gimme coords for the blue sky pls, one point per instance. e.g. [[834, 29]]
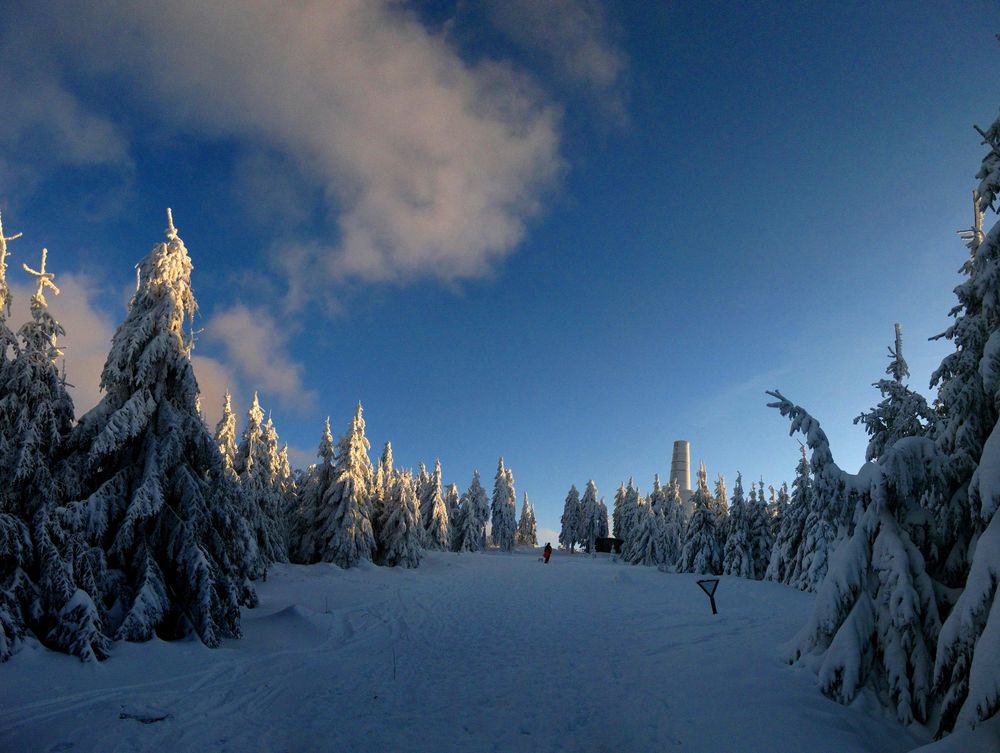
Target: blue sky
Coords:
[[566, 231]]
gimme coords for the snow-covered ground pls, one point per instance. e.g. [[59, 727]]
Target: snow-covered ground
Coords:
[[473, 652]]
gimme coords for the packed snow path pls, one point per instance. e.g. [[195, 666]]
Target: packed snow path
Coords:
[[471, 652]]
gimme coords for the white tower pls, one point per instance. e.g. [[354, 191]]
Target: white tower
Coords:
[[680, 468]]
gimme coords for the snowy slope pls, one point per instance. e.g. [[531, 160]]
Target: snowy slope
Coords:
[[471, 652]]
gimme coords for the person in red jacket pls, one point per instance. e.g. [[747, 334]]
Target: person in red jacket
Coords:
[[547, 552]]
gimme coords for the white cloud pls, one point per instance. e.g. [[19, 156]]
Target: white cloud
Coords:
[[430, 166], [45, 127], [299, 458], [548, 535], [254, 346], [575, 36], [214, 380]]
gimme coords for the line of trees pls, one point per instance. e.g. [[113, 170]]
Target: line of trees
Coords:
[[136, 521]]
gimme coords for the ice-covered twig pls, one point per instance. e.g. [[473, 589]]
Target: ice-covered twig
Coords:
[[44, 280]]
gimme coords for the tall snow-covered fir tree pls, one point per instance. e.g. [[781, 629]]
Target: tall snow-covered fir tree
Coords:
[[502, 509], [475, 514], [150, 489], [451, 500], [225, 435], [737, 556], [383, 480], [616, 512], [784, 561], [256, 465], [967, 663], [760, 532], [527, 528], [434, 512], [570, 520], [646, 540], [38, 580], [344, 532], [603, 529], [16, 553], [421, 485], [589, 525], [777, 501], [701, 552], [875, 620], [721, 507], [8, 342], [39, 410], [719, 497], [901, 413], [824, 528], [315, 487], [672, 530], [657, 500], [630, 516], [400, 530]]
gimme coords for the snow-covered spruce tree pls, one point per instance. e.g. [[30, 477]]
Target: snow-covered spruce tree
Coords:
[[616, 513], [37, 579], [589, 525], [603, 529], [400, 530], [284, 479], [475, 513], [777, 501], [645, 547], [344, 533], [570, 520], [16, 589], [658, 501], [630, 518], [256, 466], [700, 552], [737, 556], [434, 512], [673, 523], [875, 620], [760, 532], [502, 509], [421, 485], [382, 482], [38, 408], [720, 503], [656, 497], [901, 413], [967, 666], [150, 490], [785, 559], [225, 435], [286, 486], [317, 484], [451, 499], [527, 528], [904, 413], [824, 527], [8, 342]]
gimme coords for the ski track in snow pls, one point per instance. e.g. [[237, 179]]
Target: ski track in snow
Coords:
[[492, 653]]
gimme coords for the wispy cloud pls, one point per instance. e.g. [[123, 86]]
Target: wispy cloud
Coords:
[[45, 127], [429, 167], [575, 36], [254, 347]]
